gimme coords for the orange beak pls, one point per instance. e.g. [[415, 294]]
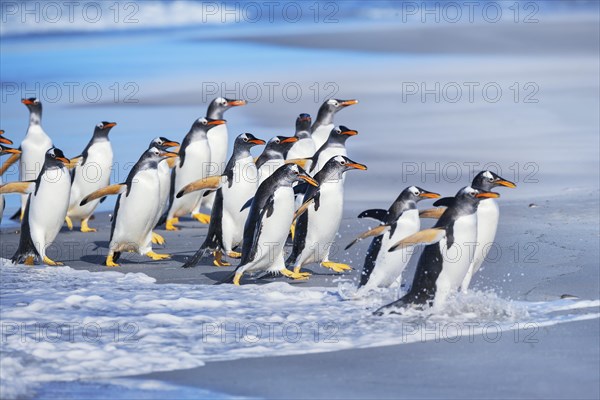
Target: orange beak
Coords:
[[217, 122], [349, 102], [110, 125], [349, 133], [236, 103], [430, 195], [26, 102], [171, 144], [508, 184], [487, 195], [308, 180], [11, 150], [169, 154], [358, 166], [257, 141], [290, 140], [65, 160], [4, 140]]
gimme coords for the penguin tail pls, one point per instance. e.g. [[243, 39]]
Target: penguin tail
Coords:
[[395, 307], [228, 279], [25, 250], [16, 215], [195, 259]]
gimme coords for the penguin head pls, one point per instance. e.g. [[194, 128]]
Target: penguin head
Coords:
[[303, 123], [247, 141], [206, 124], [293, 173], [344, 164], [8, 150], [280, 144], [55, 157], [487, 180], [417, 194], [332, 106], [340, 134], [218, 106], [4, 140], [162, 143], [471, 195], [155, 153], [103, 128], [33, 104]]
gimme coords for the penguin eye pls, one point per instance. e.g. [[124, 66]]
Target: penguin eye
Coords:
[[204, 122], [491, 179], [277, 141], [245, 139], [343, 162]]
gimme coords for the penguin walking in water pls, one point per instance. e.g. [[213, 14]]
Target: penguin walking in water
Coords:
[[324, 122], [488, 214], [318, 224], [449, 252], [305, 146], [334, 146], [136, 208], [194, 164], [5, 150], [33, 149], [91, 172], [236, 186], [272, 156], [218, 141], [45, 209], [381, 267], [268, 224]]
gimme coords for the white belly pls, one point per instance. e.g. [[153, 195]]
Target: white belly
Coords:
[[390, 266], [136, 214], [321, 134], [196, 166], [245, 183], [323, 224], [457, 259], [303, 148], [48, 207], [33, 147], [93, 175], [274, 231], [267, 169], [327, 154], [217, 141]]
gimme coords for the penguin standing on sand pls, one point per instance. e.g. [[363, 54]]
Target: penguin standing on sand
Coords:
[[5, 150], [236, 186], [91, 172], [324, 122], [449, 252], [45, 209], [334, 146], [268, 224], [194, 163], [218, 140], [272, 156], [318, 225], [136, 208], [305, 146], [381, 267], [488, 214], [33, 148]]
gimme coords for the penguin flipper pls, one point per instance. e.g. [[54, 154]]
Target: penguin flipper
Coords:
[[300, 189], [426, 236], [18, 187], [444, 202], [117, 188], [211, 182], [302, 209], [379, 230], [9, 161], [247, 204], [16, 215], [375, 213], [434, 213]]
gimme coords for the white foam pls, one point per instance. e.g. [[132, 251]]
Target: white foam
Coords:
[[126, 324]]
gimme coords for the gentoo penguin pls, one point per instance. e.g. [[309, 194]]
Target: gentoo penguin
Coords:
[[237, 185], [317, 226], [33, 147], [324, 122], [272, 156], [305, 146], [194, 163], [268, 224], [136, 208], [488, 214], [92, 172], [164, 177], [45, 209], [218, 140], [5, 150], [334, 146], [449, 252], [381, 267]]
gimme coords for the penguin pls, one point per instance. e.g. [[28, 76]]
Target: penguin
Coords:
[[45, 209], [33, 148], [194, 163], [5, 150], [268, 224], [164, 177], [382, 268], [318, 225], [218, 141], [92, 172], [449, 252], [236, 186], [137, 205], [334, 146], [272, 156], [305, 146], [324, 123], [488, 214]]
